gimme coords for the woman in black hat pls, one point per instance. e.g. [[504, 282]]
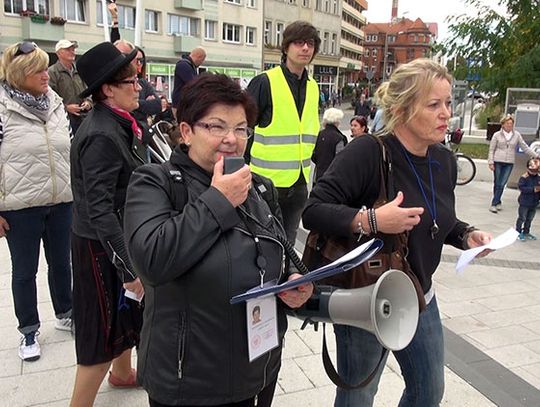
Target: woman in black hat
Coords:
[[105, 151]]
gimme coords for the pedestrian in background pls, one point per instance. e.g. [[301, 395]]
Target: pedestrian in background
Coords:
[[330, 141], [362, 107], [35, 189], [416, 101], [186, 70], [64, 79], [105, 151], [286, 132], [359, 126], [529, 196], [501, 158]]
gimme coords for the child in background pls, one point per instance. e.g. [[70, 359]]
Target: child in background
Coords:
[[529, 187]]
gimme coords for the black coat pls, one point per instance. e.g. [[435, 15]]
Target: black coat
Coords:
[[193, 252], [103, 155], [330, 141]]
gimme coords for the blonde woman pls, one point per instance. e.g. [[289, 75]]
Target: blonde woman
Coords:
[[501, 158], [416, 103], [35, 204]]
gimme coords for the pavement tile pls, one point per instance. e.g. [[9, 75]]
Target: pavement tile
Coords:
[[11, 364], [292, 378], [462, 308], [533, 369], [527, 376], [497, 319], [514, 355], [505, 336], [513, 301], [313, 368], [322, 396], [295, 346], [533, 326], [465, 324], [53, 356]]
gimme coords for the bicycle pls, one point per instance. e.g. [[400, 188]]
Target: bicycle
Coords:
[[466, 168]]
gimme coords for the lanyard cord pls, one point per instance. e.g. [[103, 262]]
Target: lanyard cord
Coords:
[[433, 207]]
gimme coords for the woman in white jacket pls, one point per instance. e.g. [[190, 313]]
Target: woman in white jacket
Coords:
[[501, 158], [35, 193]]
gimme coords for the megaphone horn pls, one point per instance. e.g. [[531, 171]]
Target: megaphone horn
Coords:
[[388, 308]]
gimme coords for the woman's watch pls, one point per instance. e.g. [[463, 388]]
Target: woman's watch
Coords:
[[464, 237]]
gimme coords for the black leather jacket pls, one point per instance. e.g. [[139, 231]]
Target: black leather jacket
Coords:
[[103, 155], [193, 348]]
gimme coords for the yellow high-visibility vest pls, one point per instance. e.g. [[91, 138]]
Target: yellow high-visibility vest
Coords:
[[283, 148]]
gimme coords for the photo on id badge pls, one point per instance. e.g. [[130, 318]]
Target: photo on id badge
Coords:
[[261, 318]]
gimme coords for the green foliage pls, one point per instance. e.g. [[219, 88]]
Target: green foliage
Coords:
[[506, 44], [492, 111], [474, 150]]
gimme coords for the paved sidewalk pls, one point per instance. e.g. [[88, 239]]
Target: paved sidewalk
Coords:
[[491, 314]]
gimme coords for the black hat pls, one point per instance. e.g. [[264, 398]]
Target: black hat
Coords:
[[99, 64]]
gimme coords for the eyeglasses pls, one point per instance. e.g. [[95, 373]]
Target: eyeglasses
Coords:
[[218, 130], [25, 48], [140, 61], [300, 43], [132, 82]]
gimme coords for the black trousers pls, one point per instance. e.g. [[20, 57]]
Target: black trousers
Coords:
[[263, 399]]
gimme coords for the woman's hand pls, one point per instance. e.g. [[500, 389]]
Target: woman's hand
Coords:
[[391, 217], [491, 167], [296, 297], [4, 227], [479, 238], [234, 186], [136, 287]]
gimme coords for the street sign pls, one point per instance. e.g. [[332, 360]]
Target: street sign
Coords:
[[369, 75], [460, 84]]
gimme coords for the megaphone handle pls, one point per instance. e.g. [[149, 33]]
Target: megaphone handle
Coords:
[[333, 374]]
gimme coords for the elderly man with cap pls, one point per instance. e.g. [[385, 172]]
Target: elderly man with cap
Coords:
[[64, 79]]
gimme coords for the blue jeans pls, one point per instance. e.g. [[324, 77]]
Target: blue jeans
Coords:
[[525, 218], [292, 201], [27, 227], [422, 363], [501, 175]]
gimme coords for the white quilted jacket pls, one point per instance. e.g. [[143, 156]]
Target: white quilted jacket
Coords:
[[34, 156]]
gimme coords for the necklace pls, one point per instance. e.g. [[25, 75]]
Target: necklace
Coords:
[[434, 229]]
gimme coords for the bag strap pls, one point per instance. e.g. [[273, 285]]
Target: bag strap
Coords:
[[333, 374], [178, 191]]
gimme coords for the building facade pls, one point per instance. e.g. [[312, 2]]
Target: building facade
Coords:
[[229, 30], [352, 41], [387, 45]]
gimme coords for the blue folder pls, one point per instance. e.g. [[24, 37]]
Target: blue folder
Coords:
[[350, 260]]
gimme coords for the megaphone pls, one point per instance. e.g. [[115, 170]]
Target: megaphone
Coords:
[[388, 308]]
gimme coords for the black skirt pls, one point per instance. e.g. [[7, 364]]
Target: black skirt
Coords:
[[106, 322]]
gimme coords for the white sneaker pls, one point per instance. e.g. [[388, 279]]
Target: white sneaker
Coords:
[[29, 350], [499, 207], [64, 324], [493, 209]]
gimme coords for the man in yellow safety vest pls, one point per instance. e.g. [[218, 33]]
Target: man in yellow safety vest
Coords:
[[288, 122]]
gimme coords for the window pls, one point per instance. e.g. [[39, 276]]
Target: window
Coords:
[[325, 42], [267, 32], [16, 6], [305, 3], [333, 44], [318, 5], [126, 16], [366, 53], [335, 7], [231, 33], [279, 33], [210, 30], [151, 19], [391, 38], [73, 10], [182, 25], [250, 35], [365, 68], [232, 1], [374, 69], [374, 52], [326, 4], [252, 3]]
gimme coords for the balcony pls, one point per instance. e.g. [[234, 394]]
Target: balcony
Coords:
[[188, 4], [41, 31], [184, 44]]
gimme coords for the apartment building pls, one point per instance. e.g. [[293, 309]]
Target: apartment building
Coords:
[[231, 31], [352, 41], [325, 15]]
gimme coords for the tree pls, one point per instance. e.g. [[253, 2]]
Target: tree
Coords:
[[506, 45]]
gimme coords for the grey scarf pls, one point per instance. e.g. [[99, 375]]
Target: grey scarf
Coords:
[[38, 106]]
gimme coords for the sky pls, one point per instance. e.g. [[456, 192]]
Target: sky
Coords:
[[430, 11]]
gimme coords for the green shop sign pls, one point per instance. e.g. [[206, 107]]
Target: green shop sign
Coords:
[[249, 73], [160, 69], [216, 70]]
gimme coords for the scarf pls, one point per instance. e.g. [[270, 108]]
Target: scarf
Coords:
[[38, 106], [134, 125], [507, 135]]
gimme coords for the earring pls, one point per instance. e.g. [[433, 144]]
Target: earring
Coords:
[[188, 143]]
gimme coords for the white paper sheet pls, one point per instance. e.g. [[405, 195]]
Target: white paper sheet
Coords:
[[506, 239]]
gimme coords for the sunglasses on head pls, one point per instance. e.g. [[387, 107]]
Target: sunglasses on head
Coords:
[[24, 48]]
